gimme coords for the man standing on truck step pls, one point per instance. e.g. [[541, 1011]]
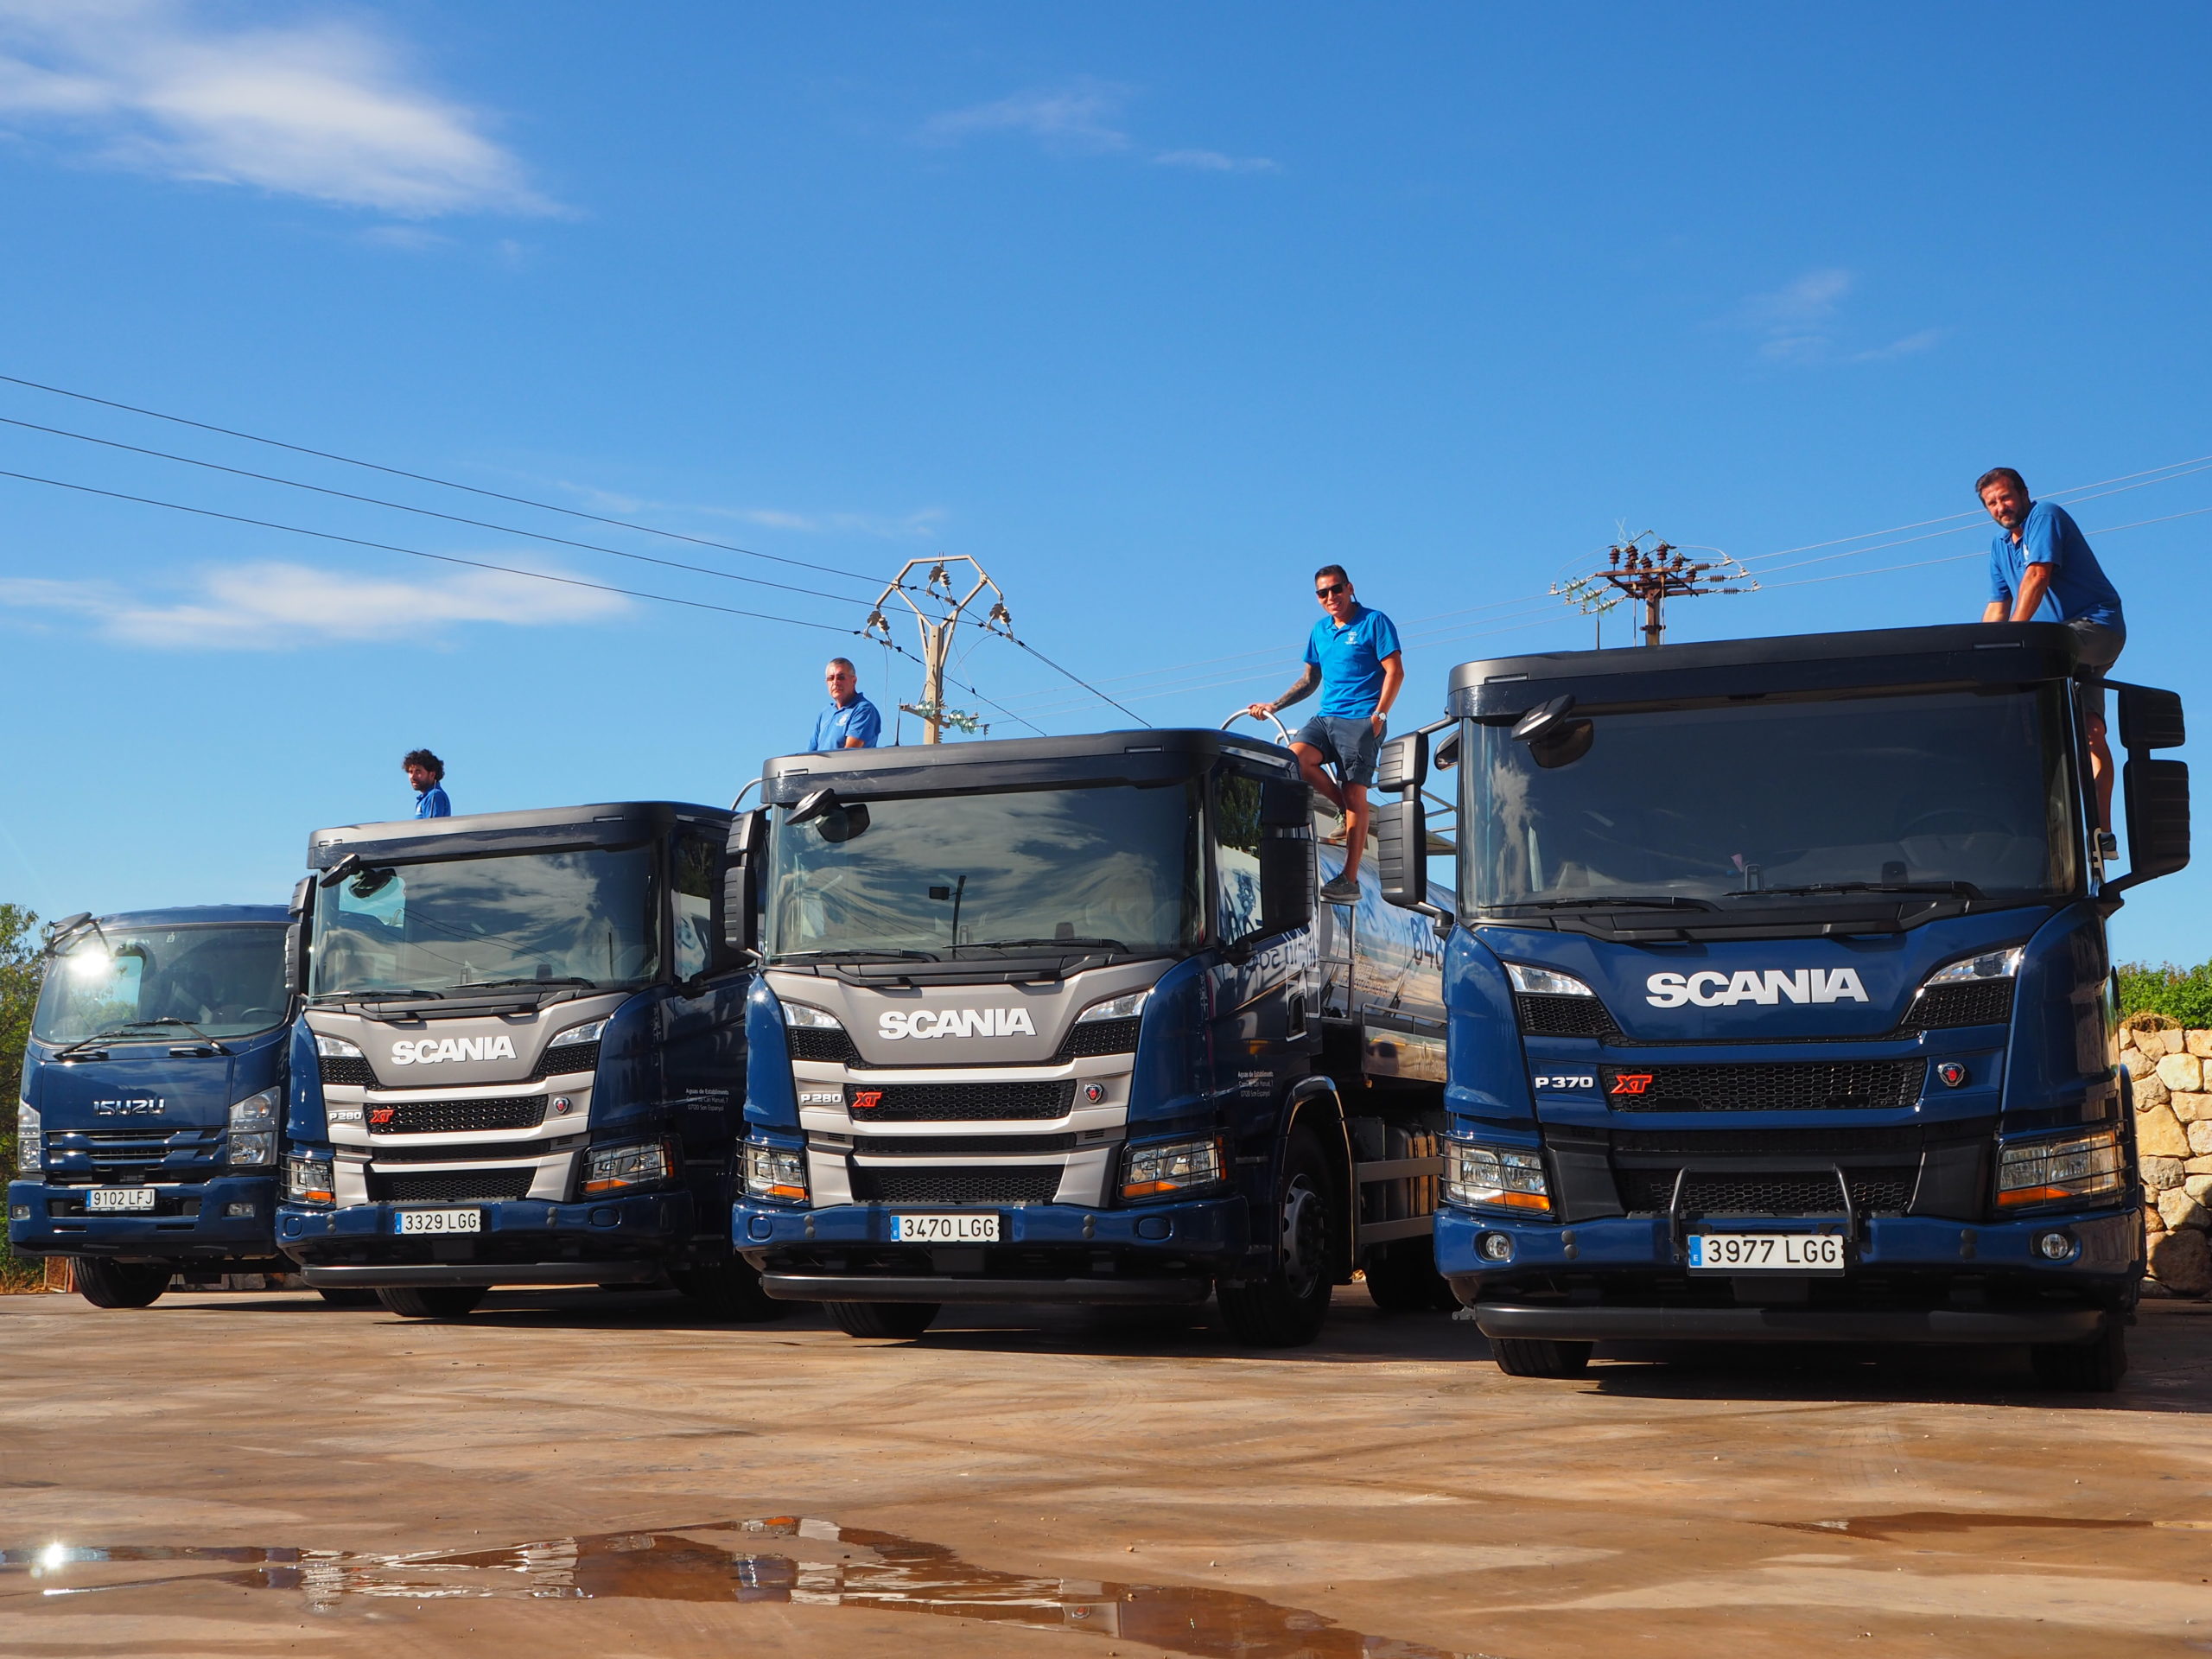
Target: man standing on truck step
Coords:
[[850, 722], [2041, 570], [428, 773], [1352, 655]]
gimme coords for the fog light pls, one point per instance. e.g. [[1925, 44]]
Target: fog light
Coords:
[[2054, 1247], [1495, 1247], [239, 1211], [19, 1212]]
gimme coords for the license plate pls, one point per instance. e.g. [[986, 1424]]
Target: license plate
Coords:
[[1766, 1253], [945, 1230], [119, 1197], [438, 1221]]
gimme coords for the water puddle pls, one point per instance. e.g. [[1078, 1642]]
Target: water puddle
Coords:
[[783, 1558], [1923, 1523]]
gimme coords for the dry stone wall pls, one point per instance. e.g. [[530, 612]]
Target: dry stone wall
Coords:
[[2171, 1070]]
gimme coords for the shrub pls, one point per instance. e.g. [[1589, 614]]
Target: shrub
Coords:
[[2182, 995]]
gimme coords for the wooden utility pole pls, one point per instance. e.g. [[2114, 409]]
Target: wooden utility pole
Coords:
[[1654, 574], [938, 612]]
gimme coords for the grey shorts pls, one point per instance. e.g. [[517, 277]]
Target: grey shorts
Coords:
[[1351, 745], [2099, 647]]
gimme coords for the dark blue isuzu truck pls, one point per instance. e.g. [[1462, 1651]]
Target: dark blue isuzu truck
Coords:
[[153, 1094], [520, 1059], [1056, 1020], [1780, 999]]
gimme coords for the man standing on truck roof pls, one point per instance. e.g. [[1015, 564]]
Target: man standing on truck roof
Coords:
[[428, 773], [850, 722], [2041, 570], [1352, 655]]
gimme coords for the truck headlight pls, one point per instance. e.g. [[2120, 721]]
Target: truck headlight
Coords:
[[1990, 965], [336, 1048], [1543, 982], [1495, 1177], [254, 1128], [31, 1141], [1126, 1007], [775, 1171], [590, 1032], [799, 1017], [1166, 1166], [2065, 1167], [307, 1179], [612, 1169]]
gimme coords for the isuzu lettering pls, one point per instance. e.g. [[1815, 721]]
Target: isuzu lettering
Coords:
[[1780, 998]]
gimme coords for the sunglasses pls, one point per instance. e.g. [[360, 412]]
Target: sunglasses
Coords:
[[1331, 591]]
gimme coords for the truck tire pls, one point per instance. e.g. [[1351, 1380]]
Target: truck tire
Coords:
[[1401, 1277], [1539, 1357], [1286, 1308], [120, 1284], [432, 1301], [731, 1290], [906, 1320], [2092, 1367], [347, 1297]]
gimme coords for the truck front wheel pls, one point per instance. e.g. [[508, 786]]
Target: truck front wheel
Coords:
[[120, 1284], [432, 1301], [1539, 1357], [906, 1320], [1286, 1309], [2092, 1367]]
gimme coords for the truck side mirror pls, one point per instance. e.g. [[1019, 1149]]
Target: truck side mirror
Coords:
[[739, 923], [1286, 880], [1401, 851], [296, 935], [2148, 718], [2156, 793], [1286, 804], [1403, 764]]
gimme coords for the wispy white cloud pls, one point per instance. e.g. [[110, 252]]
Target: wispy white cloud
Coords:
[[1212, 161], [1799, 324], [323, 109], [276, 607], [1077, 117]]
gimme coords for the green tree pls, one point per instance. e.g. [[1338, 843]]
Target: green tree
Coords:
[[19, 966]]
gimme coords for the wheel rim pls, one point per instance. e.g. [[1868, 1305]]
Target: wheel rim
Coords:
[[1304, 1237]]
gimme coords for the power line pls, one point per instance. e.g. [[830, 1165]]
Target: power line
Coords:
[[426, 478], [426, 512], [1080, 680], [418, 553]]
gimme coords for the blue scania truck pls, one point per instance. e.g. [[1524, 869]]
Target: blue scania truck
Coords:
[[153, 1093], [520, 1059], [1779, 1001], [1056, 1020]]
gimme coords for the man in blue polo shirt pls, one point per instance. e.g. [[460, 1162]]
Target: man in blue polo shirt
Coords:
[[2041, 570], [1352, 655], [428, 773], [850, 722]]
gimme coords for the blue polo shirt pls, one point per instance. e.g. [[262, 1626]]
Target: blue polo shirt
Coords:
[[1350, 661], [856, 719], [2079, 590], [432, 804]]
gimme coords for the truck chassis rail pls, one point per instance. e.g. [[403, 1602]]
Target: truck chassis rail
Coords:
[[341, 1276], [945, 1288], [1785, 1323]]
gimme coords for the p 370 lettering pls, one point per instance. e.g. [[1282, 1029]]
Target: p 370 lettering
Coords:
[[1566, 1080]]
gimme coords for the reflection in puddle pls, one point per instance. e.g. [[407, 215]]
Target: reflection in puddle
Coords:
[[1920, 1523], [782, 1560]]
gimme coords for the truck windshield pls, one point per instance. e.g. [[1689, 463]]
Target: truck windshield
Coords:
[[163, 984], [1946, 792], [1109, 866], [552, 919]]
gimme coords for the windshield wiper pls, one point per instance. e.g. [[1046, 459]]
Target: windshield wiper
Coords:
[[392, 994], [860, 953], [1082, 942], [172, 1020], [560, 979], [130, 1028], [1962, 889], [1630, 901]]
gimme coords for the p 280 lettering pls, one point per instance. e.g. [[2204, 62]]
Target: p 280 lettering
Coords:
[[1712, 989]]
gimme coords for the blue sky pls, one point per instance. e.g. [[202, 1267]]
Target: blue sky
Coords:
[[1148, 309]]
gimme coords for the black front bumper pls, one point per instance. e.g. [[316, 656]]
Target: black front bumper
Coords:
[[1921, 1325], [342, 1276], [1163, 1292]]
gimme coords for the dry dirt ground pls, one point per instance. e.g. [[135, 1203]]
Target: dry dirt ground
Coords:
[[598, 1474]]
